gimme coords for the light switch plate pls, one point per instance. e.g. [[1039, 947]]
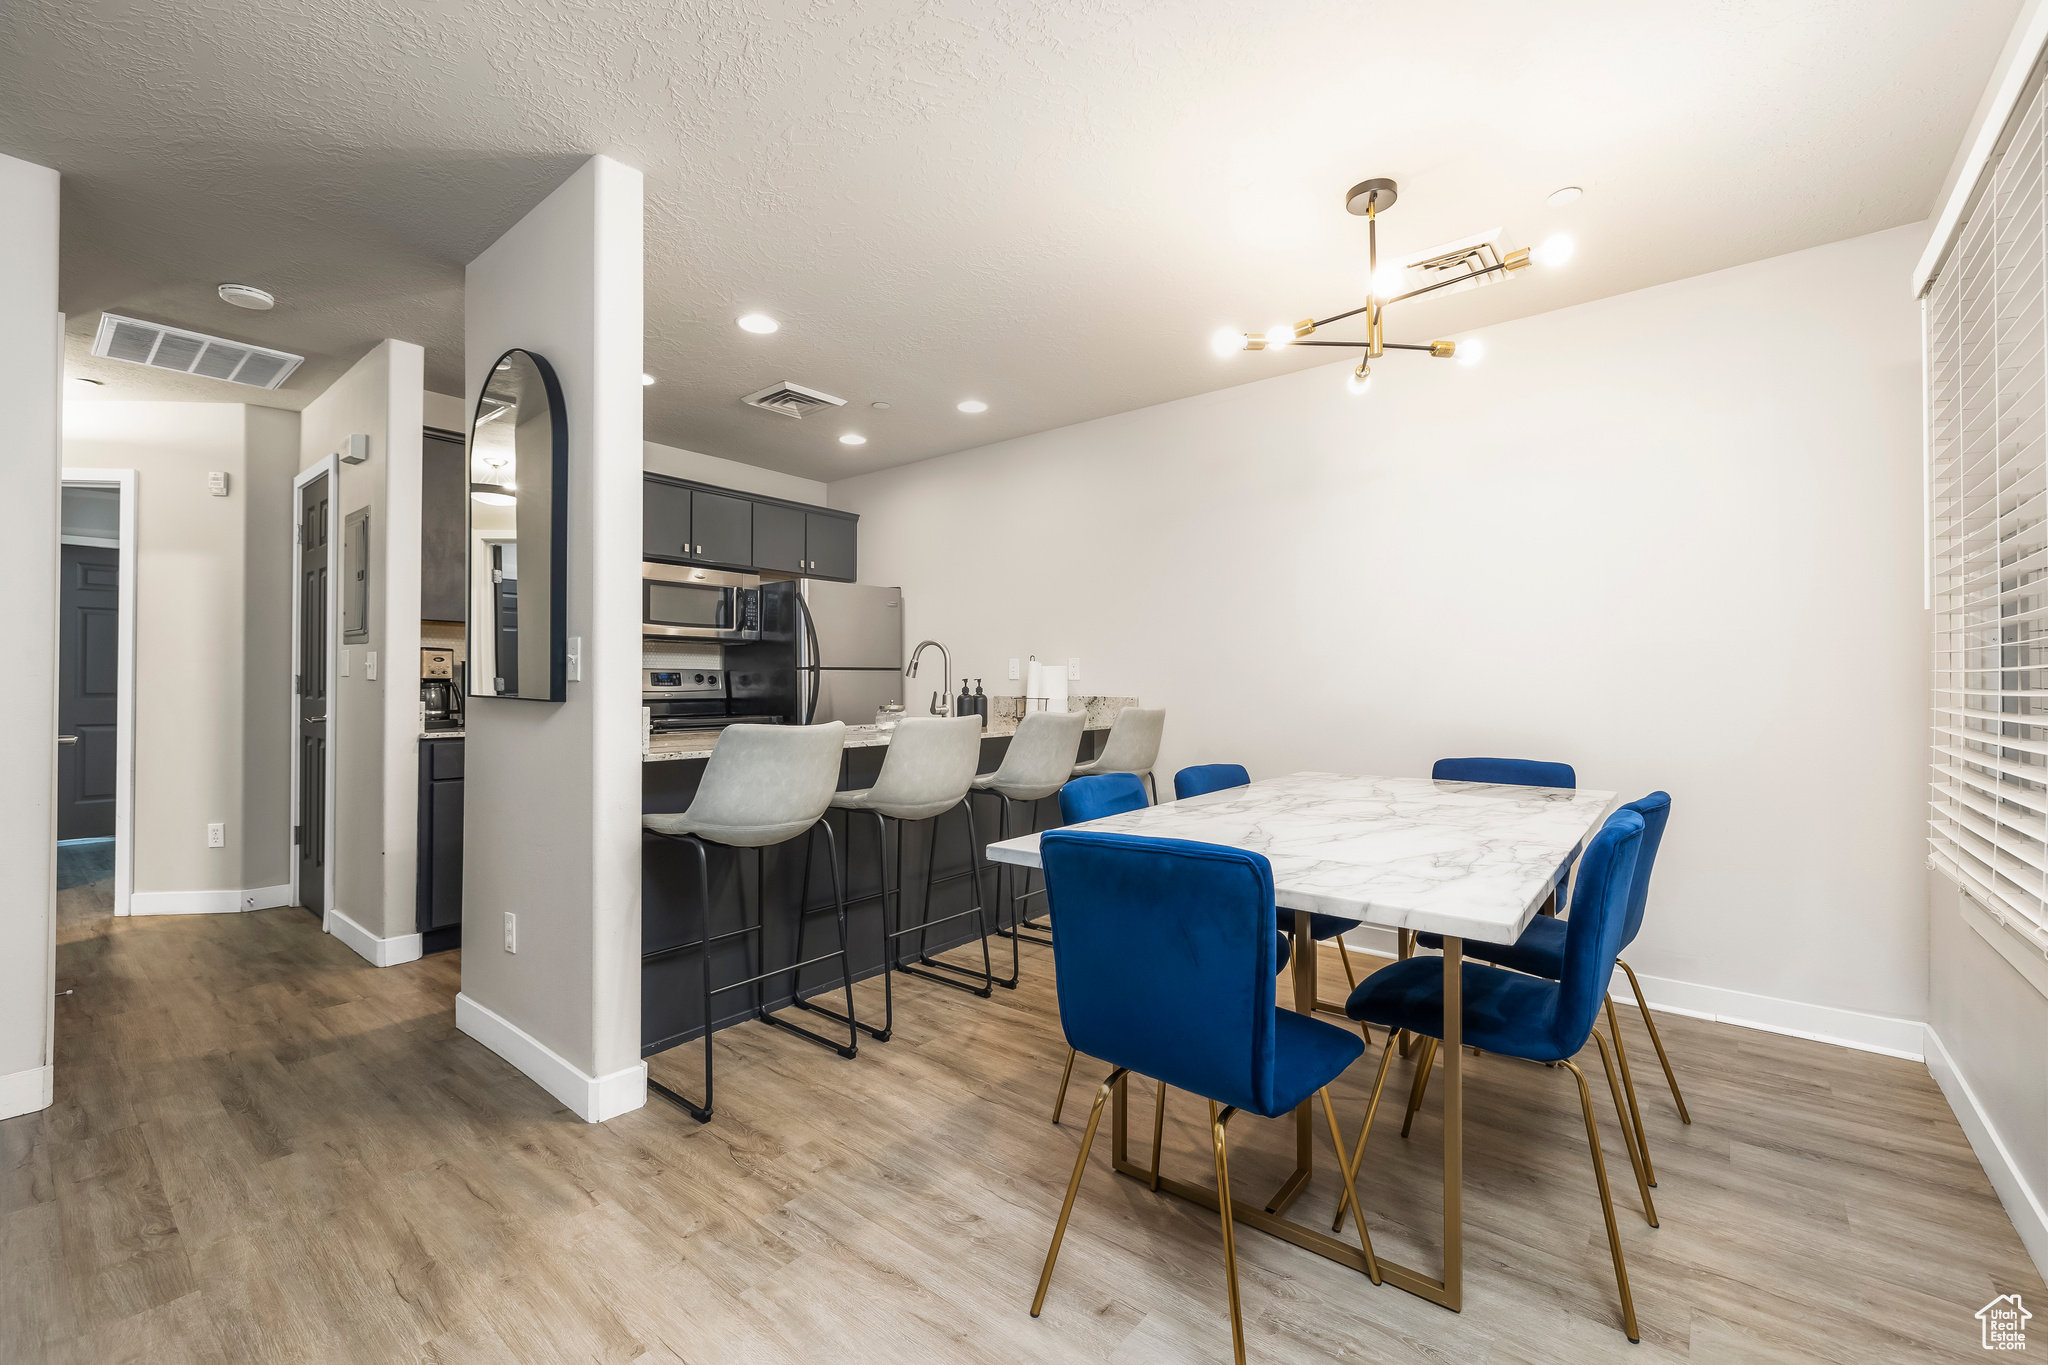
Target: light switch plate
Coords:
[[511, 932], [573, 660], [1073, 670], [345, 661], [217, 483], [1013, 668], [370, 664]]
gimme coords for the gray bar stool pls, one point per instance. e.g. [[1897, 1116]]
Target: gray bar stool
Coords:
[[762, 785], [926, 773], [1040, 757], [1133, 747]]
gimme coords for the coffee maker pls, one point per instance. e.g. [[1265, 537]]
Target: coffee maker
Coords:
[[440, 698]]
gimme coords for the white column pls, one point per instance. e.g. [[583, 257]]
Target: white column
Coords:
[[551, 791], [31, 368]]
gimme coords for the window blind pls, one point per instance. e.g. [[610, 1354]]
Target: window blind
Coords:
[[1986, 320]]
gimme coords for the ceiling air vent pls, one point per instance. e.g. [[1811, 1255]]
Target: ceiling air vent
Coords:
[[170, 348], [792, 400]]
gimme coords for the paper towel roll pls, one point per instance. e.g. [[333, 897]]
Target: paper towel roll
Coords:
[[1034, 681], [1055, 687]]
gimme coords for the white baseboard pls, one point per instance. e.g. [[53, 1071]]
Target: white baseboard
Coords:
[[25, 1092], [1882, 1033], [227, 902], [378, 952], [592, 1098], [1819, 1023], [2022, 1205]]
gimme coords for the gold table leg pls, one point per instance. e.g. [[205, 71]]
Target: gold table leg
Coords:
[[1304, 964]]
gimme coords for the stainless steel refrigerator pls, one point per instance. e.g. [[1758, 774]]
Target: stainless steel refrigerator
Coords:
[[849, 652]]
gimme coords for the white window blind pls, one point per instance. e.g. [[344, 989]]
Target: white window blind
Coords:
[[1986, 321]]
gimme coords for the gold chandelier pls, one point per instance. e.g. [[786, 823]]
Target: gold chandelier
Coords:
[[1458, 263]]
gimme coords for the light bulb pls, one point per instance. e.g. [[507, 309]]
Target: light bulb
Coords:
[[1555, 251], [1386, 281], [849, 439], [1360, 380], [1279, 334], [973, 405], [759, 322], [1227, 342], [1471, 352]]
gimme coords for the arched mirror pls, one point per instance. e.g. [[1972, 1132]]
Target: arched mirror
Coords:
[[518, 533]]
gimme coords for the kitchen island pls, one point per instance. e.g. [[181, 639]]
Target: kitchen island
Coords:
[[671, 1003]]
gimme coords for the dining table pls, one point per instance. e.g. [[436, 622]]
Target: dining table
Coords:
[[1466, 860]]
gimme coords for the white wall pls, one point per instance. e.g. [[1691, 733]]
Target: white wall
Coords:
[[212, 643], [1670, 537], [712, 469], [552, 790], [31, 360], [376, 735]]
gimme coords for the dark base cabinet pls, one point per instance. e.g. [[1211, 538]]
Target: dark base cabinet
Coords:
[[671, 981], [440, 845]]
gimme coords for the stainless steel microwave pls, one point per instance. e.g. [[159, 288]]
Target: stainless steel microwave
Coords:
[[679, 602]]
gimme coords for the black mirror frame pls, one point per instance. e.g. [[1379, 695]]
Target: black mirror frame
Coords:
[[558, 531]]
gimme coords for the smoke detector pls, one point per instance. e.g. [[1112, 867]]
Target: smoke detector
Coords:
[[791, 400], [183, 352], [246, 296]]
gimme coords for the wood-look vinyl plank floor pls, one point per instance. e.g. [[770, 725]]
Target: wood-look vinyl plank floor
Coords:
[[264, 1150]]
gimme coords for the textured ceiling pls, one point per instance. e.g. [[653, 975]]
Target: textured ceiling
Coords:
[[1048, 206]]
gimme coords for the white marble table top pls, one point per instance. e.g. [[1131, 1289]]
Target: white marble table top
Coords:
[[1468, 859]]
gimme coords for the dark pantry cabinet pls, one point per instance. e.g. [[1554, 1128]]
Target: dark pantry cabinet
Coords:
[[439, 894]]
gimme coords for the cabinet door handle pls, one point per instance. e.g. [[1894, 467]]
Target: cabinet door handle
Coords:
[[67, 739]]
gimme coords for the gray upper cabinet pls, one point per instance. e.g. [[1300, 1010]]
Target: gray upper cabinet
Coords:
[[444, 525], [684, 523], [664, 521], [721, 528], [829, 546], [778, 537]]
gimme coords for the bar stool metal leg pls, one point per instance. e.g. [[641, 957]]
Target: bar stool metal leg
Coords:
[[883, 894], [795, 969], [983, 982], [701, 1113]]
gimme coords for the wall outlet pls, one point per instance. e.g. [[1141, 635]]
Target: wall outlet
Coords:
[[1073, 670], [573, 662], [511, 932], [216, 835], [370, 665], [1013, 668]]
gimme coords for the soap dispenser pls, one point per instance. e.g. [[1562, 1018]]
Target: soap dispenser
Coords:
[[963, 705], [981, 703]]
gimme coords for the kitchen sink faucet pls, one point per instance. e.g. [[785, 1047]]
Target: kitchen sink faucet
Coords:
[[942, 701]]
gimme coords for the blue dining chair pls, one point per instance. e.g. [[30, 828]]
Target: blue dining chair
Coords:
[[1164, 955], [1529, 1017], [1093, 798], [1215, 777]]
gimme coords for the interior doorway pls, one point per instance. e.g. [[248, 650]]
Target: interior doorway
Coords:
[[312, 689], [95, 683]]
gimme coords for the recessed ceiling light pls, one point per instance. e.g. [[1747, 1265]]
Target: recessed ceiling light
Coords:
[[645, 380], [849, 439], [879, 407], [246, 296], [1559, 198], [759, 322], [81, 379], [974, 405]]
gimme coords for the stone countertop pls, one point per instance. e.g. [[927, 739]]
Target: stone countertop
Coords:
[[440, 734], [699, 743]]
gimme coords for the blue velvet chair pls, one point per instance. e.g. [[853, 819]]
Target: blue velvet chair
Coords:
[[1164, 952], [1215, 777], [1092, 798], [1529, 1017]]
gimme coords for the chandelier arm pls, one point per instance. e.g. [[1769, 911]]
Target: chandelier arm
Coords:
[[1445, 284], [1362, 345]]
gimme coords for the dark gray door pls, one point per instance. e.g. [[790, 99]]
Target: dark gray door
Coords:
[[778, 538], [506, 646], [88, 675], [828, 547], [664, 521], [316, 557], [722, 529]]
